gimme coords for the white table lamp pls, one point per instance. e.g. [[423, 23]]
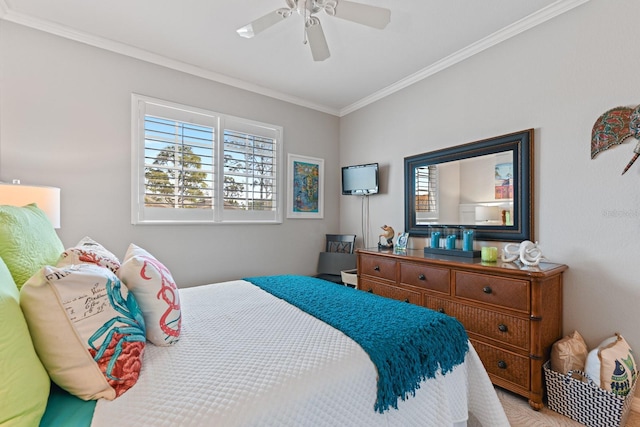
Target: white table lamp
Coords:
[[47, 198], [487, 214]]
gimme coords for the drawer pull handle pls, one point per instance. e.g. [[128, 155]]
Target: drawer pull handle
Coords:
[[502, 364], [502, 327], [370, 290], [421, 277], [376, 268], [441, 310], [487, 290]]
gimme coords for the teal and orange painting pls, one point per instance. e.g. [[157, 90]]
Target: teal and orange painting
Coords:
[[306, 187]]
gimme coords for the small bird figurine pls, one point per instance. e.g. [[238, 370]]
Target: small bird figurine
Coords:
[[388, 234]]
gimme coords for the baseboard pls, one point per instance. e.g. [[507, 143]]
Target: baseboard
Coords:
[[635, 404]]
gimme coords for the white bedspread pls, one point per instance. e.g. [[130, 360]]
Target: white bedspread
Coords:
[[246, 358]]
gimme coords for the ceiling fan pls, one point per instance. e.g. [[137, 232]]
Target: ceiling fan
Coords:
[[370, 16]]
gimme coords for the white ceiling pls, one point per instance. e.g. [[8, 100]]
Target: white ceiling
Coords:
[[199, 37]]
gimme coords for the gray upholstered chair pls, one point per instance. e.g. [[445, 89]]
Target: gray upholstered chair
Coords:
[[343, 243], [337, 257]]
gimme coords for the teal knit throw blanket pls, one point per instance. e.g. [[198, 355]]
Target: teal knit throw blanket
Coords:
[[407, 343]]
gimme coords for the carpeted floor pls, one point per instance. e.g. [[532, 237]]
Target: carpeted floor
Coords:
[[520, 414]]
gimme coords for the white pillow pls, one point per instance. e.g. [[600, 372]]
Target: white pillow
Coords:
[[611, 366], [71, 312], [592, 365], [88, 251], [156, 291]]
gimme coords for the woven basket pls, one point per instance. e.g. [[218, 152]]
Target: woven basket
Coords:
[[585, 402]]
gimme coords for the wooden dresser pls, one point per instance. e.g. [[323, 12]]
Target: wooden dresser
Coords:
[[512, 313]]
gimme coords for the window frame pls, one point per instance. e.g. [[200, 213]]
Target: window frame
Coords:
[[141, 106]]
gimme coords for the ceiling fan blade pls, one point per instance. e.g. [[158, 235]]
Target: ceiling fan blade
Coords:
[[261, 24], [371, 16], [317, 40]]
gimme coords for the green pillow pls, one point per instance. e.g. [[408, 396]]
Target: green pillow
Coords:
[[28, 241], [24, 383]]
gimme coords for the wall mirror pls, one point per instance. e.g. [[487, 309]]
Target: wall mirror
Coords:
[[486, 185]]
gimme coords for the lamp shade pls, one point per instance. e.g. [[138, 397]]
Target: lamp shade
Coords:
[[487, 213], [47, 199]]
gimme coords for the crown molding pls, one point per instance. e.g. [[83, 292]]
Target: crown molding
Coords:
[[143, 55], [524, 24], [557, 8]]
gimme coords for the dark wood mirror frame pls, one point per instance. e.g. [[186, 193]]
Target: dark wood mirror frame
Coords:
[[521, 144]]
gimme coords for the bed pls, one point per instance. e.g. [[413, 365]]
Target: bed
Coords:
[[265, 351]]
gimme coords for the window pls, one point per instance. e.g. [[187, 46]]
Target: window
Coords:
[[195, 166], [427, 192]]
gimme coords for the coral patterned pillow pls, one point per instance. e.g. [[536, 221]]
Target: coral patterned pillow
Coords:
[[86, 328], [88, 251], [156, 292]]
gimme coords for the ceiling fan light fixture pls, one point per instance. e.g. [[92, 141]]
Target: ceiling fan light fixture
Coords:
[[371, 16]]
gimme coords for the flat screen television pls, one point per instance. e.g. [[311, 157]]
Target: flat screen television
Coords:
[[360, 180]]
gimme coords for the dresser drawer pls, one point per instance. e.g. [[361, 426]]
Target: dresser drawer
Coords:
[[393, 292], [383, 268], [432, 278], [504, 328], [501, 327], [500, 291], [441, 305], [506, 365]]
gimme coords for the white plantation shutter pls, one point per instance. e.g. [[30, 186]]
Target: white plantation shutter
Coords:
[[251, 169], [427, 192], [182, 173]]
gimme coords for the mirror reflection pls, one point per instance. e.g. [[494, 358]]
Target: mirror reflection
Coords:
[[486, 185], [479, 191]]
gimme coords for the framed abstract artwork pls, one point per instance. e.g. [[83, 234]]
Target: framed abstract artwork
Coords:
[[504, 181], [305, 187]]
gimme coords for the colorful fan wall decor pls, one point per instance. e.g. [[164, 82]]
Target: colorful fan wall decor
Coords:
[[613, 128]]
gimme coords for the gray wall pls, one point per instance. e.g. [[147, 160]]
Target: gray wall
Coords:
[[65, 122], [557, 78]]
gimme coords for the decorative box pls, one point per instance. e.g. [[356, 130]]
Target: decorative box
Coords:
[[350, 277], [585, 402]]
